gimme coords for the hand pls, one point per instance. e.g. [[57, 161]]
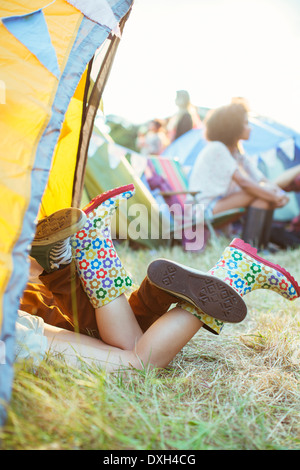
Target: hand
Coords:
[[281, 198]]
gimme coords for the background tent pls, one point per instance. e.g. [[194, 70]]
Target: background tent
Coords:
[[145, 219], [48, 105], [273, 146]]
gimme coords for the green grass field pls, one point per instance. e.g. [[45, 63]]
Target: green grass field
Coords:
[[236, 391]]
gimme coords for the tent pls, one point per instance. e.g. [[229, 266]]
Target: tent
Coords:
[[48, 104], [145, 219], [273, 146]]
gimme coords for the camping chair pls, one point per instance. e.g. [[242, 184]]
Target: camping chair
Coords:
[[167, 174]]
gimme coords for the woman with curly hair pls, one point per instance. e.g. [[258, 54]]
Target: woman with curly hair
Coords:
[[228, 179]]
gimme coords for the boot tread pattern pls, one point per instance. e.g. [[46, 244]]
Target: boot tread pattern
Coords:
[[59, 225], [212, 296]]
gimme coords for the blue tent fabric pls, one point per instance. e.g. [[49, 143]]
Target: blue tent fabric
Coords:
[[32, 31], [264, 136], [289, 133], [187, 147]]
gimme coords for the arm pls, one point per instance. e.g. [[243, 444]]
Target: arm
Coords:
[[262, 190]]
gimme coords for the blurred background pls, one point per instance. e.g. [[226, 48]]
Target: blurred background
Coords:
[[215, 49]]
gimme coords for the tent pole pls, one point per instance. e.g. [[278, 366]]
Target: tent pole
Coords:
[[89, 114]]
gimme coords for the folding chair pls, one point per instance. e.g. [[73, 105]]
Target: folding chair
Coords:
[[173, 185]]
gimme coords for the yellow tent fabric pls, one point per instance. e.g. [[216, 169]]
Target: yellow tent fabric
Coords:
[[46, 47], [24, 117], [58, 193]]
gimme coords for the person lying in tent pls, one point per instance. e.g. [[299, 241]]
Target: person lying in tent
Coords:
[[228, 179], [84, 284]]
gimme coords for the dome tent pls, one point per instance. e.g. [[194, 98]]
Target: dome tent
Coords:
[[48, 105]]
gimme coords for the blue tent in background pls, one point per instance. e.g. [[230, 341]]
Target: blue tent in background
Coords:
[[274, 147]]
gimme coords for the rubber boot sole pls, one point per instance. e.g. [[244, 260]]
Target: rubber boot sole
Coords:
[[206, 292], [58, 226]]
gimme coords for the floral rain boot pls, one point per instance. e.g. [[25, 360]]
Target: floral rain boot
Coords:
[[101, 272], [241, 268], [244, 270]]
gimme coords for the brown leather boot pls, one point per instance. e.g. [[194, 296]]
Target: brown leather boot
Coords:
[[149, 302]]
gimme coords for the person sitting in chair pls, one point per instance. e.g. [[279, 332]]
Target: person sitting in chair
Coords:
[[227, 179]]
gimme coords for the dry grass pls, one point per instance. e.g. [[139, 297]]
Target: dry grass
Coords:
[[239, 390]]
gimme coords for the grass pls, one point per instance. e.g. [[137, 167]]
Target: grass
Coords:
[[236, 391]]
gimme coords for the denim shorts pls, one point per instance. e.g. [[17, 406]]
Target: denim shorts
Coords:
[[30, 340]]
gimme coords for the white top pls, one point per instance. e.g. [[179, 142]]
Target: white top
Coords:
[[213, 170]]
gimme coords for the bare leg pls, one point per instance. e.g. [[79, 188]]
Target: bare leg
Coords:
[[75, 347], [239, 199], [156, 348], [287, 176], [167, 336], [117, 324]]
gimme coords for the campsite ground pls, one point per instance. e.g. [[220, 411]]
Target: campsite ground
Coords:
[[237, 391]]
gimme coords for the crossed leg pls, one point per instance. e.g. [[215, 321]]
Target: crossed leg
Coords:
[[154, 348]]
